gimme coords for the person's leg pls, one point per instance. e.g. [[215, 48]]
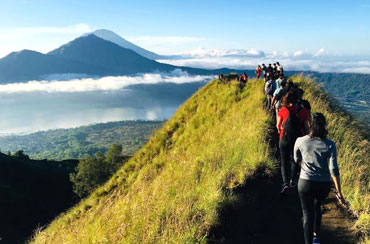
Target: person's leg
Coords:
[[295, 167], [269, 98], [307, 202], [284, 161], [321, 192]]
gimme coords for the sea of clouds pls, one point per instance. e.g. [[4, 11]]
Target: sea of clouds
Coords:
[[69, 83], [299, 60]]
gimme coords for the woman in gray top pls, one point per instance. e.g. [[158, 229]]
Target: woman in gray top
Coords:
[[318, 158]]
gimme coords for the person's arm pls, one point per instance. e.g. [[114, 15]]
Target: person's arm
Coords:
[[334, 171], [279, 120], [297, 155], [306, 122], [306, 127], [339, 195], [273, 102]]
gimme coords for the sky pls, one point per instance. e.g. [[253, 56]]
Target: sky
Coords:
[[299, 30]]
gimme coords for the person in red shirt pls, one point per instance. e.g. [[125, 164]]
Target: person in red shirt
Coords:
[[286, 142], [258, 72]]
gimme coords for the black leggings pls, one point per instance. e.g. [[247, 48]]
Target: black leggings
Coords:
[[312, 194], [286, 160]]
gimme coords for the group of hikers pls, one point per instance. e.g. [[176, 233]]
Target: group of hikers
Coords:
[[308, 159], [243, 78], [269, 72]]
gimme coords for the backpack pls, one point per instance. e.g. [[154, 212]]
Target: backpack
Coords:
[[292, 128], [270, 88], [305, 104]]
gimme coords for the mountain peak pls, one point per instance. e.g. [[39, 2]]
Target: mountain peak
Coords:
[[111, 36], [105, 32], [22, 53]]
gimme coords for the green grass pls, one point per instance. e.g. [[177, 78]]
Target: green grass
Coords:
[[352, 139], [172, 189]]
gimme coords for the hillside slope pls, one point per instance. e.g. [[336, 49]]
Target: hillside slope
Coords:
[[170, 191], [173, 189], [353, 144]]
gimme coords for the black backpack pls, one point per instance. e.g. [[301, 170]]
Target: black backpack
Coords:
[[305, 104], [292, 128]]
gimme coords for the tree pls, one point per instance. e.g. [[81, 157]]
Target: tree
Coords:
[[20, 154], [113, 158], [93, 171]]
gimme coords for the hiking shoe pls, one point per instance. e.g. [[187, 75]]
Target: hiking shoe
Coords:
[[293, 184], [316, 240], [284, 190]]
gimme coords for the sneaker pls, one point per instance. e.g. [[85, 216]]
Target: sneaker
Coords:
[[284, 190], [293, 184], [316, 240]]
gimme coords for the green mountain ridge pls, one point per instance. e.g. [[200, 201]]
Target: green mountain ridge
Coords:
[[173, 189], [85, 140]]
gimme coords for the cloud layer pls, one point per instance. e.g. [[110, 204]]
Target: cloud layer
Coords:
[[299, 60], [109, 83]]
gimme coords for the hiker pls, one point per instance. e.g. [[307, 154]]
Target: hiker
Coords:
[[274, 71], [269, 71], [258, 72], [302, 102], [264, 69], [318, 158], [280, 68], [269, 91], [279, 80], [278, 96], [243, 79], [276, 102], [292, 122], [221, 77]]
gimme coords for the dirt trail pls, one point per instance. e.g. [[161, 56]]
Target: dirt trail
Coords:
[[263, 216]]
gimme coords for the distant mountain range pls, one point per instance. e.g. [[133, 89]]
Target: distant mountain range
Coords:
[[98, 54]]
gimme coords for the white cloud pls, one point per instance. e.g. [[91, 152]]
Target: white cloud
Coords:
[[102, 84], [298, 53], [203, 52], [320, 52], [297, 61], [165, 39]]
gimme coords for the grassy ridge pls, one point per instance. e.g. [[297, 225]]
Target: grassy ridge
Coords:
[[171, 190], [352, 139]]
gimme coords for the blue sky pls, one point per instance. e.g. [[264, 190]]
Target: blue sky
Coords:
[[341, 27], [331, 27]]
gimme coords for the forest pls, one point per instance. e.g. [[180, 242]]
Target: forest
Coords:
[[79, 142]]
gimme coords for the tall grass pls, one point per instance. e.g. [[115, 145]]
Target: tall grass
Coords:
[[352, 139], [172, 189]]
